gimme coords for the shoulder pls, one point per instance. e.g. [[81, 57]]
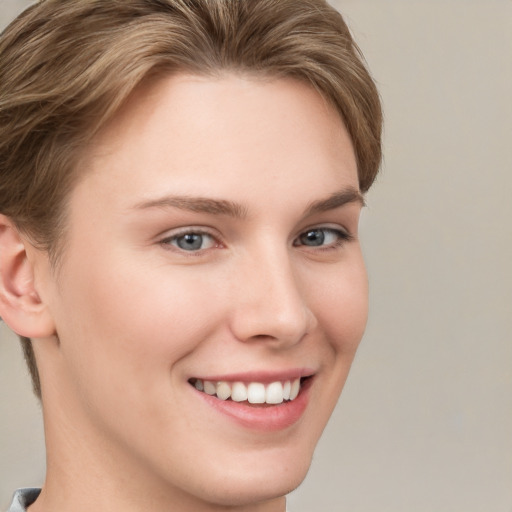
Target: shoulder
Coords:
[[23, 498]]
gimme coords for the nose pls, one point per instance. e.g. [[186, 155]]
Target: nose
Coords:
[[271, 302]]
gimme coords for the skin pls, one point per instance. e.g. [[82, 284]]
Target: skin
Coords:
[[136, 316]]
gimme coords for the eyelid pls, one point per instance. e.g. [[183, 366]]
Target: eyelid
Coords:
[[344, 236], [175, 232], [165, 239], [168, 236]]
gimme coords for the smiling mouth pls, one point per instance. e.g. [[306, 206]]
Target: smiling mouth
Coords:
[[272, 393]]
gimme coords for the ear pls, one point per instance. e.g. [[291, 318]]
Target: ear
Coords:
[[21, 307]]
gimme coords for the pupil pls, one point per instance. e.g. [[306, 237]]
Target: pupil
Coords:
[[314, 237], [190, 242]]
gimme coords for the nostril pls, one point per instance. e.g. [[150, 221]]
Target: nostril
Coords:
[[263, 337]]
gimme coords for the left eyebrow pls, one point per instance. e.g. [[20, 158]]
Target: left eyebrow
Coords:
[[349, 195]]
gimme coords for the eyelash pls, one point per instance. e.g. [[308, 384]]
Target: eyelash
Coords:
[[169, 241], [341, 238]]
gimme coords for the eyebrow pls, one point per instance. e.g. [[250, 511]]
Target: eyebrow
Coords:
[[236, 210], [349, 195], [196, 204]]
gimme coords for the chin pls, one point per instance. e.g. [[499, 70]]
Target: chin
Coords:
[[266, 479], [250, 488]]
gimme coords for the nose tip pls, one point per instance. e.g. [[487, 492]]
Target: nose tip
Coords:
[[290, 324], [272, 306]]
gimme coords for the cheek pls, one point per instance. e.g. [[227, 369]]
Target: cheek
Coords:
[[124, 318], [342, 307]]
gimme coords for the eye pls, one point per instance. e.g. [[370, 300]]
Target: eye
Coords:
[[322, 237], [191, 241]]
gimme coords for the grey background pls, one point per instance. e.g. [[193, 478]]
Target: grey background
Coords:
[[425, 421]]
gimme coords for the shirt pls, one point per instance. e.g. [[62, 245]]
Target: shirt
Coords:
[[23, 498]]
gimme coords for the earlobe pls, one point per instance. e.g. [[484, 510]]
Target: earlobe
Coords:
[[21, 307]]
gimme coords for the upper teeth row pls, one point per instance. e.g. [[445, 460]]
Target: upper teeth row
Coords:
[[253, 392]]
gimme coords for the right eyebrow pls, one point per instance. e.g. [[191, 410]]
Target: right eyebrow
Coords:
[[196, 204]]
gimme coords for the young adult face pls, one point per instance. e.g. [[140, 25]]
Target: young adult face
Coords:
[[213, 237]]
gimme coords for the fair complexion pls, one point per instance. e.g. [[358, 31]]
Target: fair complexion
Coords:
[[212, 237]]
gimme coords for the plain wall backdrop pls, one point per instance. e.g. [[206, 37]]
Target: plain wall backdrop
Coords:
[[425, 421]]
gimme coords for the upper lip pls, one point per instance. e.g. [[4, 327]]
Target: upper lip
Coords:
[[265, 376]]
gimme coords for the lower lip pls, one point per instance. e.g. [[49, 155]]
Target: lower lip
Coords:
[[267, 418]]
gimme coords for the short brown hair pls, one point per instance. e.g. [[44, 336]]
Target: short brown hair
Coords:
[[66, 67]]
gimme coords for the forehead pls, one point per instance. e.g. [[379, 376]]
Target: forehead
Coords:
[[203, 134], [206, 104]]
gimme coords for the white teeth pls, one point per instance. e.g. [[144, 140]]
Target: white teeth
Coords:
[[256, 393], [287, 386], [253, 392], [223, 390], [239, 392], [295, 389], [274, 394], [209, 387]]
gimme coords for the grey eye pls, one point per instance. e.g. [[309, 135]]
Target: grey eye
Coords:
[[191, 241], [318, 237], [313, 237]]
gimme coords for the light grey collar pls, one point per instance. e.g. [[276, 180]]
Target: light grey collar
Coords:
[[23, 498]]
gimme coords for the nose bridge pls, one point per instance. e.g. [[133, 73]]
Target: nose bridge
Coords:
[[271, 301]]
